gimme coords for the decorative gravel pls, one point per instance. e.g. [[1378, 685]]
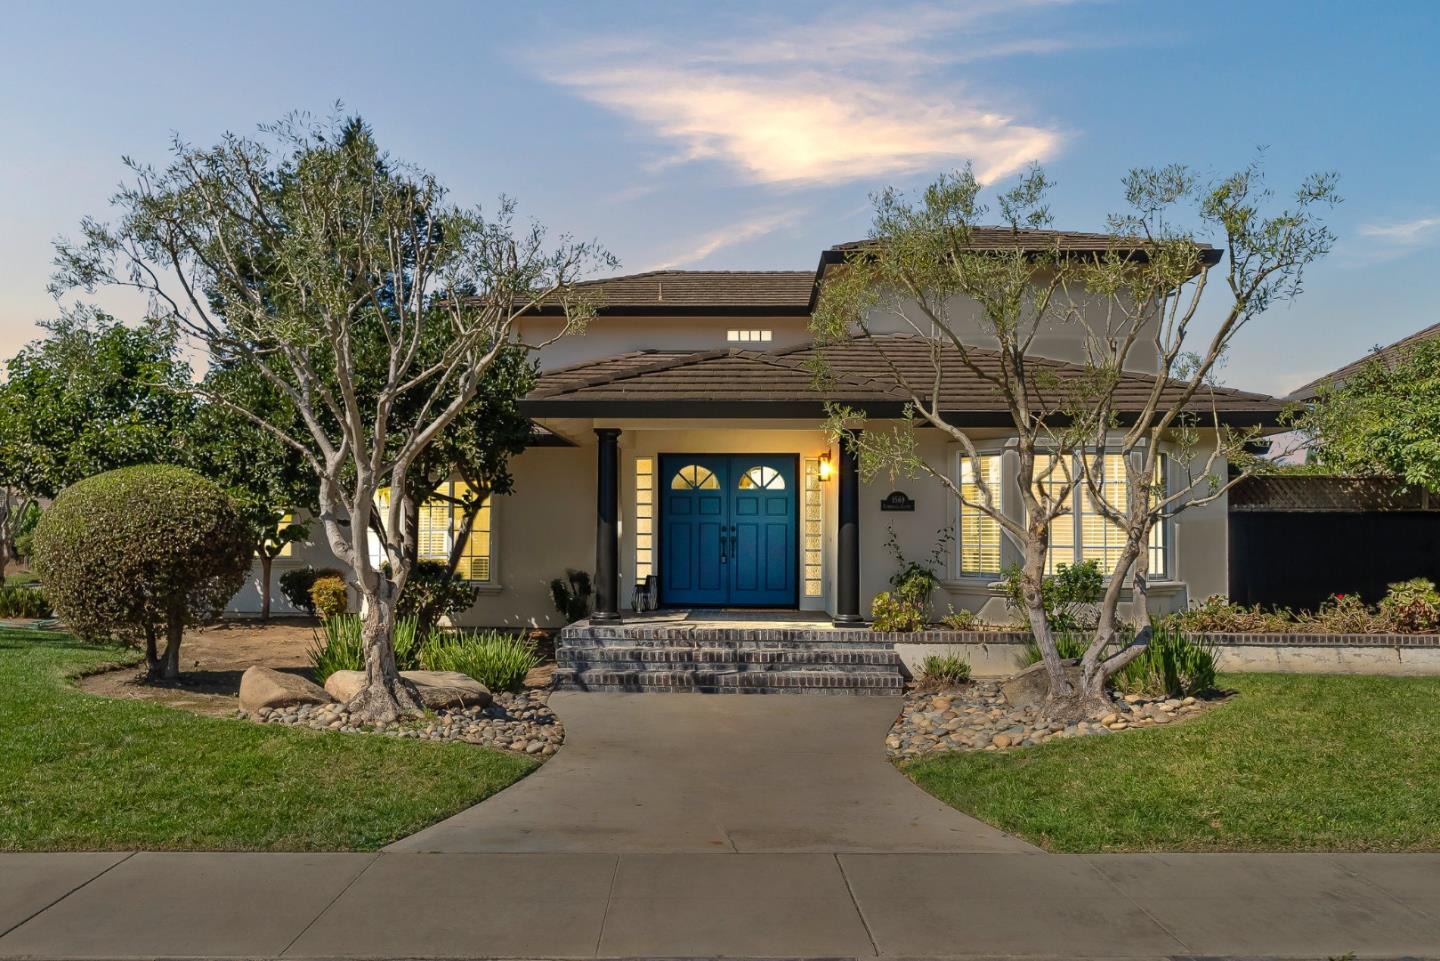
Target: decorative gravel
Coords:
[[514, 722], [977, 717]]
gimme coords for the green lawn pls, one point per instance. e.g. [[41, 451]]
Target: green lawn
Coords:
[[1291, 763], [83, 772]]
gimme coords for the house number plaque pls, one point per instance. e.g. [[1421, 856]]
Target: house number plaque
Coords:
[[897, 501]]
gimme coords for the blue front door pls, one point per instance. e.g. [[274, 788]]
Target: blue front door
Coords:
[[727, 530]]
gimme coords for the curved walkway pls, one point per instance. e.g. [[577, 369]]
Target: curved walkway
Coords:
[[680, 773]]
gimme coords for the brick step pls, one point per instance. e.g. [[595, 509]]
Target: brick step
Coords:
[[730, 682], [717, 657]]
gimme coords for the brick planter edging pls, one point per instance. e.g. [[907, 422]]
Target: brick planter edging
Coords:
[[1222, 640]]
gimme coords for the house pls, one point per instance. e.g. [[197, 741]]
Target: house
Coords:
[[679, 439], [1383, 354]]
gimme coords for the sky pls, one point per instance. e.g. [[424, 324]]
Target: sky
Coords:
[[753, 135]]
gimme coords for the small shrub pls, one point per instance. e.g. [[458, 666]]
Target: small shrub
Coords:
[[498, 660], [961, 620], [1412, 607], [1070, 646], [892, 614], [945, 669], [1173, 665], [339, 646], [431, 593], [295, 585], [1217, 615], [20, 601], [571, 595], [1346, 614], [1068, 596], [329, 597]]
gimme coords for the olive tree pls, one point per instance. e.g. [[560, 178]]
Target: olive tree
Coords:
[[349, 282], [979, 308], [140, 552]]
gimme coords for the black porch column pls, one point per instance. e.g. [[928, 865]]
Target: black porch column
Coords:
[[847, 554], [607, 527]]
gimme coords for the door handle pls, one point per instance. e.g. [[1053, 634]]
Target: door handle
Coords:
[[722, 543]]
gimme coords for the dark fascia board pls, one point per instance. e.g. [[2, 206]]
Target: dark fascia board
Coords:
[[804, 409]]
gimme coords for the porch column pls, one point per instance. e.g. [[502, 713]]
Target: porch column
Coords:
[[607, 527], [847, 544]]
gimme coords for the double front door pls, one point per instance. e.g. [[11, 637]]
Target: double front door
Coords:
[[728, 530]]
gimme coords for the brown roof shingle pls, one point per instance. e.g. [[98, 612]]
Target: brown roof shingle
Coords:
[[1004, 238], [860, 373], [703, 291]]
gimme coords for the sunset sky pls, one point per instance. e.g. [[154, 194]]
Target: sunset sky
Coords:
[[752, 135]]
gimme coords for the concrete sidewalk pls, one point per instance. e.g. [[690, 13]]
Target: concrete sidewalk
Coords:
[[707, 905]]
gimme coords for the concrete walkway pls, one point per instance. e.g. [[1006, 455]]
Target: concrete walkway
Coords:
[[682, 773], [704, 905]]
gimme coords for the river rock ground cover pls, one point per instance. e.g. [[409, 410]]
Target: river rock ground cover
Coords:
[[977, 717]]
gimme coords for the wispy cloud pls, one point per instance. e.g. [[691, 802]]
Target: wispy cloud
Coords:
[[728, 236], [1408, 233], [840, 99]]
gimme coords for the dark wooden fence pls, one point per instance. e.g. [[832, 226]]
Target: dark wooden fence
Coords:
[[1295, 540]]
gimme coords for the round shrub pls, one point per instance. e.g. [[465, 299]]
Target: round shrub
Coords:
[[329, 596], [135, 553]]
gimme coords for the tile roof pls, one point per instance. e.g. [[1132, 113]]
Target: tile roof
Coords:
[[703, 291], [860, 373], [1004, 238], [1337, 377]]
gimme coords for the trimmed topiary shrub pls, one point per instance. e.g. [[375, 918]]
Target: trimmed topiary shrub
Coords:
[[329, 596], [135, 553]]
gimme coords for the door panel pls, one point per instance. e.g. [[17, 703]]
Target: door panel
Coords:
[[693, 568], [763, 495], [728, 530]]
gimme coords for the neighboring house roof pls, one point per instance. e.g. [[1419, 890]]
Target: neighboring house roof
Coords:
[[730, 383], [1385, 354], [681, 292]]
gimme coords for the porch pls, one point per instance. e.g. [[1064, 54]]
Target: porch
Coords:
[[727, 652]]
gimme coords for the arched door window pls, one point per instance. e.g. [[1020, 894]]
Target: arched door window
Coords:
[[694, 477], [763, 478]]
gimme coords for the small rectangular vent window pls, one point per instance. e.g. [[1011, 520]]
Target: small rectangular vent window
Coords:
[[749, 336]]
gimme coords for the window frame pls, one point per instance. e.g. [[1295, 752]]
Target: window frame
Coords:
[[1009, 505], [1079, 496], [1002, 496]]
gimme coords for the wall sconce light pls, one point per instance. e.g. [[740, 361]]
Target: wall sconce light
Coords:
[[826, 469]]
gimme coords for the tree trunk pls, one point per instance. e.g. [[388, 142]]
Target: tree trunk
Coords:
[[266, 562], [152, 654], [1032, 577], [174, 631], [386, 697]]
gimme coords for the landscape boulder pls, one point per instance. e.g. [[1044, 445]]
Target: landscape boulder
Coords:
[[438, 689], [1031, 686], [265, 687]]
